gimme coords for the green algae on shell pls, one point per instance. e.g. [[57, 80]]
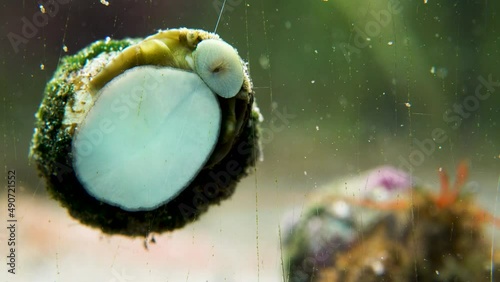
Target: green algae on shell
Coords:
[[67, 101]]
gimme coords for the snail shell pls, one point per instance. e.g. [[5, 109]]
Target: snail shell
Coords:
[[141, 136]]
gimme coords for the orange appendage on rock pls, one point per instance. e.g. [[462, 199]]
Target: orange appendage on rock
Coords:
[[449, 196]]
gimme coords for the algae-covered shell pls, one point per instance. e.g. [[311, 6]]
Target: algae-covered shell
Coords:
[[142, 135]]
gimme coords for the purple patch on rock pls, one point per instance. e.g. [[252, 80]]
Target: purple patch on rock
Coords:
[[389, 178]]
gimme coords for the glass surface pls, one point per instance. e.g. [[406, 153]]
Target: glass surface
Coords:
[[344, 86]]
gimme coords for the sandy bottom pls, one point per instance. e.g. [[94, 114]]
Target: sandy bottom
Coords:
[[221, 246], [236, 241]]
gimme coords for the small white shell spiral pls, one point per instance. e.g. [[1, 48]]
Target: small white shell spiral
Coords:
[[220, 67]]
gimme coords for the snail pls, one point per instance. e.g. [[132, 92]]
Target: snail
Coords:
[[142, 136]]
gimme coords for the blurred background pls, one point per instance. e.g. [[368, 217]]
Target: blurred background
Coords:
[[344, 86]]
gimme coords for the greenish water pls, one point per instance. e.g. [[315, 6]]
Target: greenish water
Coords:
[[343, 85], [349, 68]]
